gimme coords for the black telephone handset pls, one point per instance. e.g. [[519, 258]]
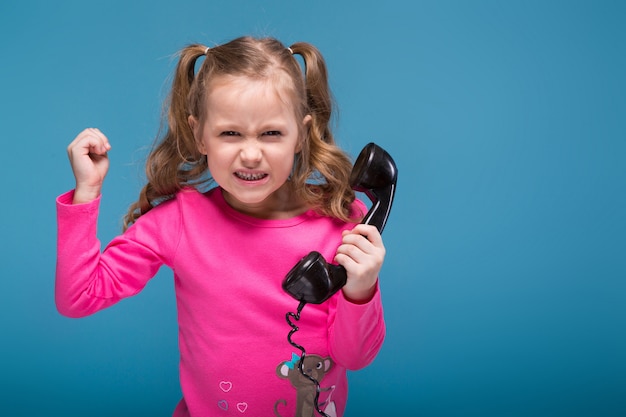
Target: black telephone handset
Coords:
[[313, 280]]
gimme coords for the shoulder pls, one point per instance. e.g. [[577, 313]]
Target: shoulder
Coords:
[[358, 209], [191, 197], [192, 204], [170, 207]]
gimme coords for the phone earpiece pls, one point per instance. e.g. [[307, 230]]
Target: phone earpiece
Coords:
[[374, 168], [313, 280], [375, 174]]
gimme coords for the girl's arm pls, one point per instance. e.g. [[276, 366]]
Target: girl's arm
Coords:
[[358, 328], [88, 280], [357, 331]]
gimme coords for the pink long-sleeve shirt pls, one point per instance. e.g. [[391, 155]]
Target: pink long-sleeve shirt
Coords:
[[228, 269]]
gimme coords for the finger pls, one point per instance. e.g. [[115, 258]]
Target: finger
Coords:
[[370, 232], [77, 139], [349, 254], [359, 265], [101, 145], [89, 142], [344, 260], [366, 253], [92, 139], [105, 141], [356, 247], [367, 243]]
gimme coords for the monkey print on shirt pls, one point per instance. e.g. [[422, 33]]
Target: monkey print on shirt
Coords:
[[314, 366]]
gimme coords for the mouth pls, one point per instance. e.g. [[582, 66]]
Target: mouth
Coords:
[[249, 176]]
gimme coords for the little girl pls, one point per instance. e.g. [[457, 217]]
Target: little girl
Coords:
[[253, 130]]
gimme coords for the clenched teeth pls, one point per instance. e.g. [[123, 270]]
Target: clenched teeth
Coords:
[[250, 177]]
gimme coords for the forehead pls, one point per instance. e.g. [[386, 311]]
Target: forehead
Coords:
[[238, 93], [245, 87]]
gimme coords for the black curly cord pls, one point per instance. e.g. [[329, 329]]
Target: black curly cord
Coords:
[[294, 329]]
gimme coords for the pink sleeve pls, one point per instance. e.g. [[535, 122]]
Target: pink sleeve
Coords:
[[86, 279], [358, 331]]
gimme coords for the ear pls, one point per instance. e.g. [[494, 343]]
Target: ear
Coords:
[[306, 122], [193, 124], [282, 370]]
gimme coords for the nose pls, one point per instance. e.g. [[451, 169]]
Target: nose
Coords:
[[251, 153]]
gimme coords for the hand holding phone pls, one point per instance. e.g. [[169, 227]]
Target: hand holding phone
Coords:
[[313, 280]]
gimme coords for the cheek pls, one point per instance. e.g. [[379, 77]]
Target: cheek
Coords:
[[284, 163], [216, 162], [216, 150]]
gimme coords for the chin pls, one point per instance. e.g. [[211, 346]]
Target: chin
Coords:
[[249, 198]]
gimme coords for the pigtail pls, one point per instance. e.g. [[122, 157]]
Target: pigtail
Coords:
[[175, 161], [321, 157]]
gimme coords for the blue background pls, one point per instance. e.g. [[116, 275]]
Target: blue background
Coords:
[[505, 279]]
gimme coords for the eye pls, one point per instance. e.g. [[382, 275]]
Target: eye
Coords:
[[272, 133], [229, 133], [318, 365]]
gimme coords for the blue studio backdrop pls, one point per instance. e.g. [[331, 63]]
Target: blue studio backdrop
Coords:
[[505, 279]]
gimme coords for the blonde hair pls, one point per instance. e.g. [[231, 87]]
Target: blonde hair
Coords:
[[321, 170]]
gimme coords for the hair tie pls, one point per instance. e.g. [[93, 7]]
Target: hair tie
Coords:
[[206, 51], [290, 50]]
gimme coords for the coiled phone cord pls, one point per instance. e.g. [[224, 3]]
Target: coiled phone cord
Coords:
[[294, 329]]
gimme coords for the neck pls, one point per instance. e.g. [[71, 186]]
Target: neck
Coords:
[[282, 204]]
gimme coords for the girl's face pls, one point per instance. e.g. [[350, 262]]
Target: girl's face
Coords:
[[250, 136]]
